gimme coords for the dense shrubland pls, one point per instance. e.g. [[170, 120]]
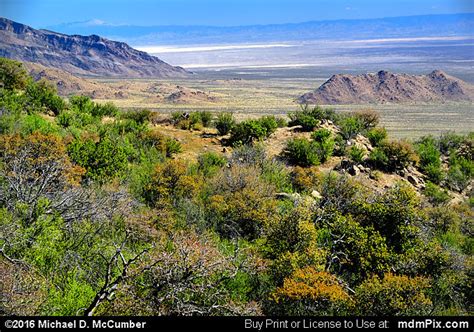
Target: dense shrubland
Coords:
[[97, 217]]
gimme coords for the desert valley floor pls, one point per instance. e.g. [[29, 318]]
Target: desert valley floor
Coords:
[[260, 95]]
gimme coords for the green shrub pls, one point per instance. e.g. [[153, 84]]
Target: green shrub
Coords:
[[394, 295], [172, 147], [460, 173], [190, 121], [126, 126], [42, 96], [449, 141], [103, 160], [368, 118], [210, 162], [428, 151], [281, 122], [301, 151], [13, 75], [339, 145], [323, 143], [109, 109], [356, 154], [241, 203], [364, 250], [67, 119], [9, 121], [246, 132], [224, 123], [81, 104], [457, 179], [249, 154], [34, 122], [277, 174], [434, 173], [206, 118], [270, 124], [321, 135], [184, 124], [84, 105], [324, 114], [324, 149], [12, 103], [393, 155], [376, 136], [309, 118], [195, 121], [435, 194], [378, 158], [307, 122], [140, 117], [350, 126], [393, 214], [430, 158], [177, 116]]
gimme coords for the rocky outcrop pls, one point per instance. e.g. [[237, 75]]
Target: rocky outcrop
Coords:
[[387, 87]]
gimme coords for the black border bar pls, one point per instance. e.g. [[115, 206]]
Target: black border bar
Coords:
[[169, 323]]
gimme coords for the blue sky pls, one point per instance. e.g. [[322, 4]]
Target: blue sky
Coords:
[[42, 13]]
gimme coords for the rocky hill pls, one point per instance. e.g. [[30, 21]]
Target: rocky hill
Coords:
[[68, 84], [157, 92], [80, 55], [387, 87]]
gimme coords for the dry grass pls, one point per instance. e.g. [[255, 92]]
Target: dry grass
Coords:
[[194, 142]]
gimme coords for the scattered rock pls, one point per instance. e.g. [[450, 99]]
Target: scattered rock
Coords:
[[345, 164], [354, 170], [413, 180], [416, 181], [293, 196], [316, 194]]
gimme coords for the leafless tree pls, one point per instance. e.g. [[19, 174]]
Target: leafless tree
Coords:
[[117, 271], [185, 275], [190, 279]]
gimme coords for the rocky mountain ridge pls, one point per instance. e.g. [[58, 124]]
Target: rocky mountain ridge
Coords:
[[80, 55]]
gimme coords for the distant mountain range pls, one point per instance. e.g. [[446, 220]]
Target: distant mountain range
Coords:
[[80, 55], [387, 87], [391, 27]]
